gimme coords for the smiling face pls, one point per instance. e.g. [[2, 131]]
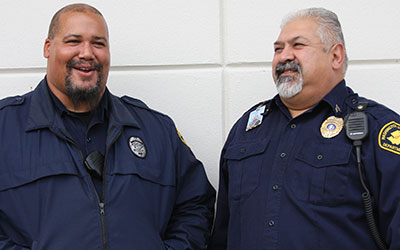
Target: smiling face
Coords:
[[78, 60], [300, 58]]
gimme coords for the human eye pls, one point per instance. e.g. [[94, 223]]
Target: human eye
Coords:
[[278, 49], [72, 41], [99, 44], [299, 45]]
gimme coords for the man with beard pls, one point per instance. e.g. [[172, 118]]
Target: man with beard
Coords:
[[297, 170], [83, 169]]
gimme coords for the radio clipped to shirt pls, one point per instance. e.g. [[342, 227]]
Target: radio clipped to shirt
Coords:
[[357, 130], [94, 164]]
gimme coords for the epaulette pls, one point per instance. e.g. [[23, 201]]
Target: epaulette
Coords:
[[11, 101], [353, 100], [135, 102], [377, 110], [260, 104], [140, 104], [371, 103], [374, 109]]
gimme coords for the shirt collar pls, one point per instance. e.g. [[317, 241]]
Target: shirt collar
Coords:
[[101, 109], [336, 99], [43, 113]]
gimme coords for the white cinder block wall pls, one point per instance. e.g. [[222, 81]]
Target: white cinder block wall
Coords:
[[203, 62]]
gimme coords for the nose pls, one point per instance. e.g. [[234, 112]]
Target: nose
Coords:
[[86, 51], [286, 54]]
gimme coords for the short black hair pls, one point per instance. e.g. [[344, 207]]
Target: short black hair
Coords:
[[78, 7]]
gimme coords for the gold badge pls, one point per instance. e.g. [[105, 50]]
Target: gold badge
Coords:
[[331, 127], [389, 137]]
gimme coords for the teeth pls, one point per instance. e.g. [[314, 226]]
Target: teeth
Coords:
[[85, 69]]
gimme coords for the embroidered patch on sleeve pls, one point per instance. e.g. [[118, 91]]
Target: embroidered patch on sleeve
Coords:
[[389, 137]]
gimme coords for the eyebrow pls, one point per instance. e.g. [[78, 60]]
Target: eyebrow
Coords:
[[292, 40], [79, 36], [100, 38]]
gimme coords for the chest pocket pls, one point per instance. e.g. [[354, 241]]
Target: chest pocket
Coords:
[[156, 166], [320, 173], [244, 162]]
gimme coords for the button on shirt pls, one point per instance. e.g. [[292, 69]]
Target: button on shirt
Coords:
[[315, 200]]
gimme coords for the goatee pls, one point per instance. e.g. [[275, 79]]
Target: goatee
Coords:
[[288, 86], [87, 95]]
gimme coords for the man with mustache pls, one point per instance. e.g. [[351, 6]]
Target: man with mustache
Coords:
[[83, 169], [296, 171]]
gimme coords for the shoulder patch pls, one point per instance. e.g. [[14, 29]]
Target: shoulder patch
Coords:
[[11, 101], [389, 137]]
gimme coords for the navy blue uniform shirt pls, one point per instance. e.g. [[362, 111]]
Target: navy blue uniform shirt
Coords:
[[283, 185]]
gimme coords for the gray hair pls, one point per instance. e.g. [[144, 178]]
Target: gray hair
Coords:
[[329, 28]]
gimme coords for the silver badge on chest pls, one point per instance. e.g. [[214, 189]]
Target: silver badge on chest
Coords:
[[137, 147], [255, 118]]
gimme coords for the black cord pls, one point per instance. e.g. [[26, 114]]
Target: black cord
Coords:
[[368, 203]]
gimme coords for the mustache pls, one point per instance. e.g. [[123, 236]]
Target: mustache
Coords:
[[289, 65], [93, 65]]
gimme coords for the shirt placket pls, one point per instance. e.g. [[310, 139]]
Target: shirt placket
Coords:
[[286, 140]]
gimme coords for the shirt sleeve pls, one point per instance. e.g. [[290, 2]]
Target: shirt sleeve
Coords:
[[382, 164], [219, 238], [220, 230], [192, 217], [7, 244]]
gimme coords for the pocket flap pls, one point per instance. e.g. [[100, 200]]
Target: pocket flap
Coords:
[[324, 155], [24, 176], [156, 174], [246, 149]]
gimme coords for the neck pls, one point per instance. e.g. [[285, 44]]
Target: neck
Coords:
[[295, 112], [308, 97], [300, 103], [81, 108]]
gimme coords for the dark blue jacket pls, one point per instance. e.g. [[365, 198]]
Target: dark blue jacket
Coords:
[[48, 200], [285, 185]]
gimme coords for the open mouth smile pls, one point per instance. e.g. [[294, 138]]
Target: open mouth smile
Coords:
[[84, 67]]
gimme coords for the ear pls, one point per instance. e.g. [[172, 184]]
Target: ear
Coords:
[[338, 56], [46, 48]]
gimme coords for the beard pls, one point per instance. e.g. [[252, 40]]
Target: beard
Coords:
[[88, 95], [289, 86]]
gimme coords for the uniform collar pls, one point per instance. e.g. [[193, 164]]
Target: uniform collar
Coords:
[[99, 114], [43, 112], [337, 99]]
